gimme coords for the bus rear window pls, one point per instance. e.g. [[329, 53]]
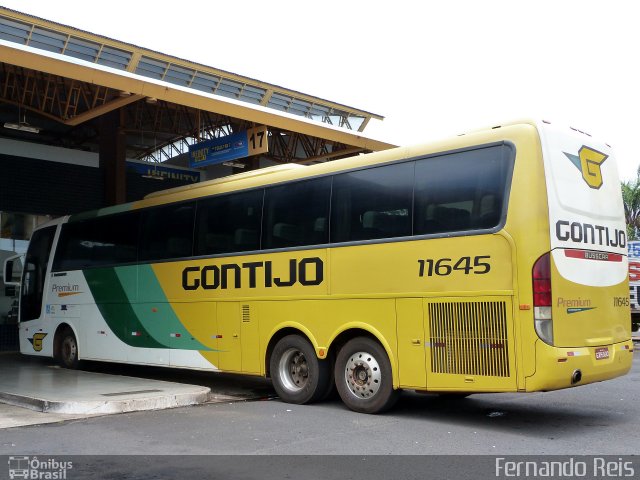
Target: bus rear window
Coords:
[[372, 203], [461, 191]]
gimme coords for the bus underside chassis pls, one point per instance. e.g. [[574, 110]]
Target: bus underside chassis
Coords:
[[362, 374]]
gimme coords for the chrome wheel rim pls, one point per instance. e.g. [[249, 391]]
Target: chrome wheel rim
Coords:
[[362, 374], [293, 370]]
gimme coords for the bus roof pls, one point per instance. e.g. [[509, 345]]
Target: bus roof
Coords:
[[228, 179], [288, 172]]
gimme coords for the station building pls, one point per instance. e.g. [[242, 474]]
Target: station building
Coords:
[[88, 121]]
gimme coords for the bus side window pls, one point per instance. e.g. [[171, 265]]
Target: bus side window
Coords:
[[372, 203], [319, 231], [217, 242], [452, 219], [246, 239], [489, 214], [285, 235], [100, 241], [471, 199], [229, 223], [167, 232], [291, 212]]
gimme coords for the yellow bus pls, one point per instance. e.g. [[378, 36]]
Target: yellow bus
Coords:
[[494, 261]]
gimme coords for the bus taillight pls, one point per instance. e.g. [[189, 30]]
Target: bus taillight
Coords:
[[542, 298]]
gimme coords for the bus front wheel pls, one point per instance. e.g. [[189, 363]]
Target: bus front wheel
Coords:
[[68, 350], [363, 376], [298, 375]]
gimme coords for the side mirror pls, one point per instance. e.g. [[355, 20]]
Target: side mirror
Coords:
[[12, 271]]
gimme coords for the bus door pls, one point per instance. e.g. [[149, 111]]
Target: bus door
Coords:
[[229, 343], [35, 273], [33, 283]]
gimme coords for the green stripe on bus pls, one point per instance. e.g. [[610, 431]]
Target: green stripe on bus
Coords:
[[158, 316], [112, 301]]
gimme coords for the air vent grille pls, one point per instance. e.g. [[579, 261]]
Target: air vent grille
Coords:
[[469, 338], [246, 313]]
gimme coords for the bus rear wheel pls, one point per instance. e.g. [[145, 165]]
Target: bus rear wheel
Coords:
[[298, 375], [68, 350], [363, 376]]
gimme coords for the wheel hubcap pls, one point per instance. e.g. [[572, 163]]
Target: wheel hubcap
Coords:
[[362, 374], [69, 350], [293, 370]]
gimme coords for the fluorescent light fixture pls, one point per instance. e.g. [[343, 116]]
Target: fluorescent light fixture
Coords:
[[23, 127]]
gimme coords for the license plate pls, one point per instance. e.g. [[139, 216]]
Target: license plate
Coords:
[[602, 353]]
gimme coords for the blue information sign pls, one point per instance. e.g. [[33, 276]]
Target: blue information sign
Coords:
[[224, 149]]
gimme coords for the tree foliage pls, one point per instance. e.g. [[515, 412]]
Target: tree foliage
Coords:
[[631, 201]]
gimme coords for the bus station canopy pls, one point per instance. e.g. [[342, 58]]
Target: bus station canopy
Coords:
[[56, 82]]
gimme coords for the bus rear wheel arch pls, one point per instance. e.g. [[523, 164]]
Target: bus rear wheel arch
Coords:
[[298, 375], [363, 376], [66, 348]]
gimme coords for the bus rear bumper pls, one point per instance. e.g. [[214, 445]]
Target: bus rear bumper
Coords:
[[558, 368]]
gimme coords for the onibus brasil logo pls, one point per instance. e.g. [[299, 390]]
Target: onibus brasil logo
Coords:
[[588, 161], [34, 468]]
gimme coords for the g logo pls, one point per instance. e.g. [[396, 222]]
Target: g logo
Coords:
[[588, 162], [36, 341]]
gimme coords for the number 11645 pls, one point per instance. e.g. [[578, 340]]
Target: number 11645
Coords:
[[478, 265]]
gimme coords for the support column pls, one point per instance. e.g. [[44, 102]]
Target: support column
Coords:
[[252, 163], [113, 158]]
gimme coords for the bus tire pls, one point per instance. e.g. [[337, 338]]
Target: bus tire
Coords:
[[68, 351], [297, 374], [363, 376]]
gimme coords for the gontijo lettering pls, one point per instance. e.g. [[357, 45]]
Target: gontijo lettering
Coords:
[[586, 233], [308, 271]]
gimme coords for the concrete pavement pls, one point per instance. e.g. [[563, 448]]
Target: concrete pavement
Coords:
[[39, 385]]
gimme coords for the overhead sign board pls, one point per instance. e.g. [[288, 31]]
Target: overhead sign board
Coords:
[[152, 170], [251, 142]]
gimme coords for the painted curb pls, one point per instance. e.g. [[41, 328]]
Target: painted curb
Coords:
[[160, 401]]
